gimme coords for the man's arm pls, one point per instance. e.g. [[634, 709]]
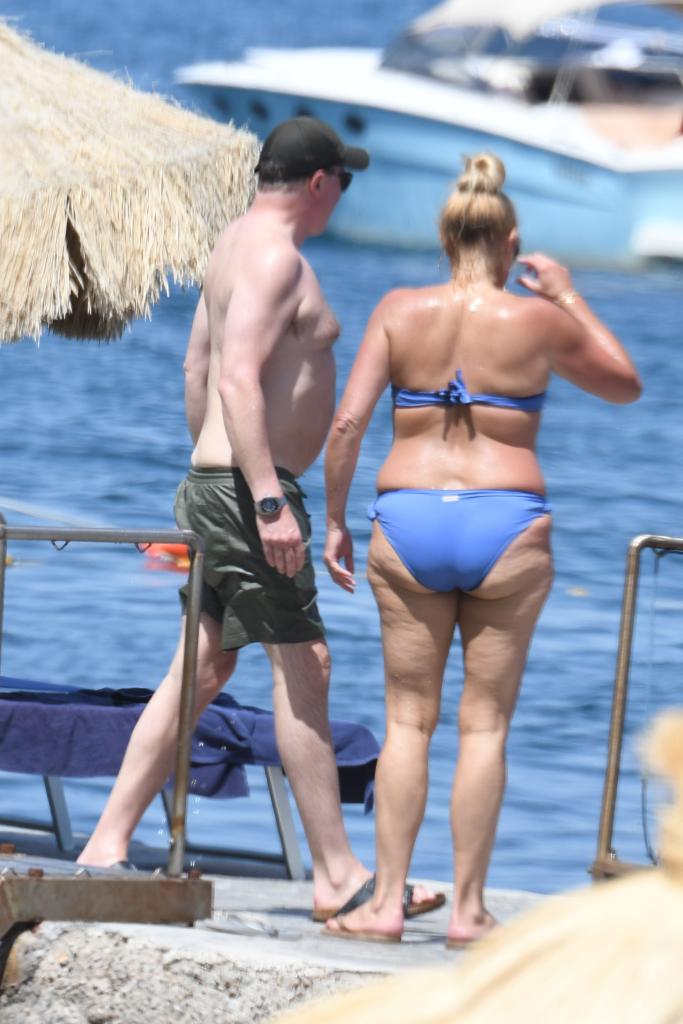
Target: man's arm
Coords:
[[263, 305], [196, 368]]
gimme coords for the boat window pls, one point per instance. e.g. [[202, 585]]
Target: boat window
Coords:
[[617, 47], [355, 124], [221, 101], [259, 109]]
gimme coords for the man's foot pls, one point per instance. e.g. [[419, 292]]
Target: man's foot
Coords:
[[416, 900], [92, 856], [328, 899]]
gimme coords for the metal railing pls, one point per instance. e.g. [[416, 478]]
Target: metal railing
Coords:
[[607, 863], [142, 539]]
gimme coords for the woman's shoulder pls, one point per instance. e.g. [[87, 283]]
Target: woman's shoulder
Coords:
[[531, 310], [410, 301]]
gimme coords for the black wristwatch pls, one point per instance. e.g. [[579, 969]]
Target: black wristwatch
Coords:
[[269, 506]]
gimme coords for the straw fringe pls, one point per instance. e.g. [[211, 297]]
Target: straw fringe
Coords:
[[106, 194], [662, 750], [610, 954], [34, 263]]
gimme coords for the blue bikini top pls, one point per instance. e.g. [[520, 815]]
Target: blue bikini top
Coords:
[[457, 394]]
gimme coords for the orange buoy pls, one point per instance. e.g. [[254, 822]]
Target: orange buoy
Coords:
[[169, 556]]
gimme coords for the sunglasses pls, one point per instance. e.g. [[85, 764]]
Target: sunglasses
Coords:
[[516, 249], [345, 177]]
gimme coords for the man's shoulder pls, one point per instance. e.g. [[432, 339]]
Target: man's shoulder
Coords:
[[253, 252], [270, 255], [264, 247]]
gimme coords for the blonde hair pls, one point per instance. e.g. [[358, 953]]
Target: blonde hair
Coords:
[[477, 215]]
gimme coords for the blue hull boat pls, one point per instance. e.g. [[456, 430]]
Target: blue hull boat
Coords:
[[595, 183]]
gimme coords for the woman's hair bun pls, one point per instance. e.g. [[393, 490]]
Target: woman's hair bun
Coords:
[[477, 213], [483, 173]]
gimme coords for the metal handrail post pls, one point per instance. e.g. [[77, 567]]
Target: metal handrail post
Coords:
[[3, 566], [176, 852], [605, 854], [186, 709], [628, 614]]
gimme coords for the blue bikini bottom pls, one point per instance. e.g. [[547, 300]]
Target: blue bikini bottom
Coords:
[[450, 540]]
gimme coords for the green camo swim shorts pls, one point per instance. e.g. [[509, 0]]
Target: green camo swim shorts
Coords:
[[253, 602]]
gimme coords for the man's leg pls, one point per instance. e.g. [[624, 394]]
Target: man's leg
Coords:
[[301, 674], [150, 756]]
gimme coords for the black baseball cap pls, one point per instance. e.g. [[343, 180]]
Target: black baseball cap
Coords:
[[302, 145]]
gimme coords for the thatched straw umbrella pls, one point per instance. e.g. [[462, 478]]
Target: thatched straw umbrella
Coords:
[[611, 954], [105, 192]]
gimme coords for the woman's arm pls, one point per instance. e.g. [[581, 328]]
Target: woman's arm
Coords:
[[368, 379], [582, 348]]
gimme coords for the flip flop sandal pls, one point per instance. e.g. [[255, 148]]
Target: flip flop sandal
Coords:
[[366, 891], [360, 936], [461, 943], [412, 909]]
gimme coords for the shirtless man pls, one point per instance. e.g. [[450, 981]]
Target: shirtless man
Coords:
[[259, 396]]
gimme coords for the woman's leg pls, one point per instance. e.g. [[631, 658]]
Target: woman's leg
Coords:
[[496, 625], [417, 630]]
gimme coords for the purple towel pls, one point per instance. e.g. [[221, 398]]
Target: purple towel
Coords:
[[64, 731]]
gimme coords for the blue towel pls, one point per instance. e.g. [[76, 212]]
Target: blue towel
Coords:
[[47, 729]]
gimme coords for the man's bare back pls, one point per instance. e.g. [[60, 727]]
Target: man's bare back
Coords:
[[298, 375]]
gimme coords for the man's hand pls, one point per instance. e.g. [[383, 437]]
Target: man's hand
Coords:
[[283, 545], [338, 549]]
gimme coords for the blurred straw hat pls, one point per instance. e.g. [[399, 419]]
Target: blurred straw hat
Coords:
[[104, 192], [610, 954]]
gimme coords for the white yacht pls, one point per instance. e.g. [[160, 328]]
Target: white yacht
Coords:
[[583, 104]]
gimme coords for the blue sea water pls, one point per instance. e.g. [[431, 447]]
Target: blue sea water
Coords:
[[95, 433]]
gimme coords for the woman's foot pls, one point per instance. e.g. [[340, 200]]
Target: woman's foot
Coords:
[[368, 923], [465, 929]]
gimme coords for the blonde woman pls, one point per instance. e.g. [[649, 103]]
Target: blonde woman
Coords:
[[461, 532]]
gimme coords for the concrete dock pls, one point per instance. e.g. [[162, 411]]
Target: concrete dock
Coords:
[[258, 954]]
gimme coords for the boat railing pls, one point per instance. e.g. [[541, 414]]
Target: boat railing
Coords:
[[607, 864]]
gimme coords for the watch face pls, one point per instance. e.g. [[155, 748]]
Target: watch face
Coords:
[[268, 506]]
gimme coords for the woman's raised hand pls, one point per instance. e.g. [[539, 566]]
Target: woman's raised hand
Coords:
[[548, 279]]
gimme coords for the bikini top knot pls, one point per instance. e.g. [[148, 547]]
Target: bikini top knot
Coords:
[[456, 393]]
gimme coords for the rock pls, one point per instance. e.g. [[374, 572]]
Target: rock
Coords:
[[77, 974]]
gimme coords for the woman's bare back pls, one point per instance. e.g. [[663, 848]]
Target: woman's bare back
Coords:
[[495, 340]]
